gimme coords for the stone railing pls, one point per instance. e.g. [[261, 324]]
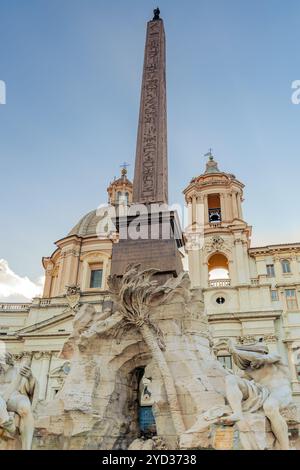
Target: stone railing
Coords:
[[255, 282], [219, 283], [12, 307], [45, 302]]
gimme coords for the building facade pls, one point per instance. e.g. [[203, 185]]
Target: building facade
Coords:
[[249, 293]]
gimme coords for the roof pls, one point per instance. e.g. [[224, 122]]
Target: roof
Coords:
[[211, 166], [277, 246], [87, 225]]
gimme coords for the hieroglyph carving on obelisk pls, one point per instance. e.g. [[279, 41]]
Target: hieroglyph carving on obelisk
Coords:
[[151, 165]]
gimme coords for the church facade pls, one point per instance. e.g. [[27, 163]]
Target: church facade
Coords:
[[249, 292]]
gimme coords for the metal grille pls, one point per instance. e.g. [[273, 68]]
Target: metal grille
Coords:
[[146, 419]]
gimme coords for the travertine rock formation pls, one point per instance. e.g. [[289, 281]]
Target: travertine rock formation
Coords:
[[161, 329]]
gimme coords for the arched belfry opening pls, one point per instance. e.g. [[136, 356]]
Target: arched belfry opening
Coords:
[[218, 267], [214, 208]]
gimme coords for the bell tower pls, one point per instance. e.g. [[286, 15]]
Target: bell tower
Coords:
[[221, 195], [214, 201]]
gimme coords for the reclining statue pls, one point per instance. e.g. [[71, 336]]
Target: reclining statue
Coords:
[[266, 385], [17, 389]]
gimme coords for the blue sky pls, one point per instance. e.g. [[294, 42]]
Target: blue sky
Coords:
[[73, 73]]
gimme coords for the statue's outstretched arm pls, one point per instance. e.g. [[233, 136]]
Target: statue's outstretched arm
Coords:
[[255, 358], [267, 358]]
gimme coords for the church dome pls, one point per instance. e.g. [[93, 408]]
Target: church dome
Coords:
[[87, 226], [119, 192]]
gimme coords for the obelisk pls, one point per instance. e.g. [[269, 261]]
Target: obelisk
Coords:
[[157, 242], [150, 183]]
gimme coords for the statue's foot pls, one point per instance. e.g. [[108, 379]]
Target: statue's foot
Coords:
[[9, 426], [7, 435], [232, 419]]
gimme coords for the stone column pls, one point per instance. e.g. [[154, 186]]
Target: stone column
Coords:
[[106, 272], [48, 280], [85, 275], [222, 203], [73, 267], [246, 262], [295, 268], [234, 205], [190, 212], [277, 268], [226, 207], [54, 284], [67, 269], [239, 204], [229, 206], [200, 210], [205, 280], [194, 199], [194, 267], [206, 217], [239, 256], [59, 282], [232, 272]]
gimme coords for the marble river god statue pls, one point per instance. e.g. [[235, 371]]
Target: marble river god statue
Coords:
[[17, 390], [262, 393], [266, 385]]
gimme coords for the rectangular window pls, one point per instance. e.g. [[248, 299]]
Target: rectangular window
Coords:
[[226, 361], [270, 270], [286, 267], [96, 278], [274, 295], [291, 299]]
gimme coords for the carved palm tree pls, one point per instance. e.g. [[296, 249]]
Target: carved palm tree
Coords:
[[135, 293]]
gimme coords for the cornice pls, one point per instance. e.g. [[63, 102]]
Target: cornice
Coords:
[[229, 317], [280, 248]]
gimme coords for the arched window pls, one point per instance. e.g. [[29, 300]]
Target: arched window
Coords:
[[122, 198], [218, 267], [119, 196], [286, 267], [214, 208]]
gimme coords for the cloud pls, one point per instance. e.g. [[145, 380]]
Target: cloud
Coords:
[[14, 288]]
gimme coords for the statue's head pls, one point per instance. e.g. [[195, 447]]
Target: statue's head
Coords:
[[6, 360], [259, 347]]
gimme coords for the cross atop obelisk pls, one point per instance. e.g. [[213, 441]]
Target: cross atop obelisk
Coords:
[[151, 163]]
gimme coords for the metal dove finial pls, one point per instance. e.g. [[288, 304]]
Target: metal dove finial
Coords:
[[156, 14]]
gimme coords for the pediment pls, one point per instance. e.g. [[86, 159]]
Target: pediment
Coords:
[[51, 326]]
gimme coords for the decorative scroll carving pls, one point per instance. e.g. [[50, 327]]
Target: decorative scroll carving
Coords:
[[216, 243]]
